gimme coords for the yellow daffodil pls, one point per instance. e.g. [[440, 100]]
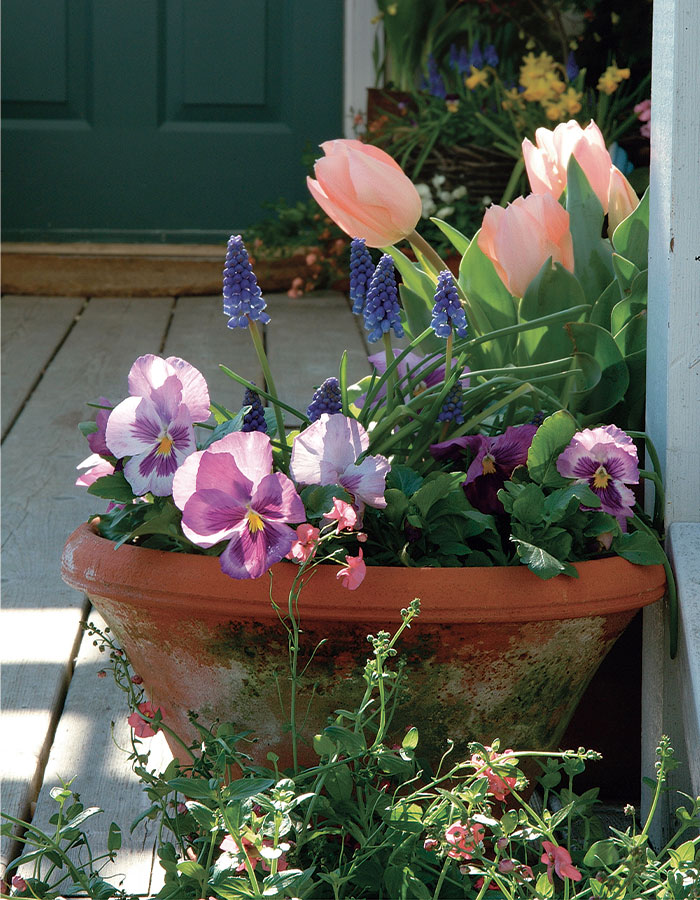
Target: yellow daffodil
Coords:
[[611, 78], [571, 101], [477, 77]]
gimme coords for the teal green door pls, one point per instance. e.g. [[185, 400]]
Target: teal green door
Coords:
[[161, 119]]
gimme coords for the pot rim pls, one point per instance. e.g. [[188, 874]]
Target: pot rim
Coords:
[[192, 583]]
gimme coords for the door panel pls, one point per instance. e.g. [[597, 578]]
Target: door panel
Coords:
[[162, 119]]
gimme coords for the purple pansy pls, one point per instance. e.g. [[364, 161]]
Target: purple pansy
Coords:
[[229, 492], [494, 460], [326, 453], [606, 460], [154, 426]]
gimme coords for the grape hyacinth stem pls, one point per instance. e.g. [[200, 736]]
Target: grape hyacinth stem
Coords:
[[270, 384]]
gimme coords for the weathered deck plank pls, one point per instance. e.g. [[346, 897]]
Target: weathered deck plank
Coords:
[[32, 329], [40, 615]]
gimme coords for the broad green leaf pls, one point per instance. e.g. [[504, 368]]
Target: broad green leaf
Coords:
[[164, 521], [543, 888], [339, 783], [509, 821], [404, 479], [458, 240], [203, 816], [318, 499], [632, 338], [683, 854], [553, 435], [631, 237], [407, 817], [114, 837], [230, 425], [603, 306], [592, 255], [112, 487], [196, 788], [632, 304], [639, 548], [413, 276], [614, 377], [528, 505], [553, 289], [396, 505], [410, 741], [543, 564], [349, 742], [323, 745], [284, 884], [601, 853], [625, 272], [193, 869], [247, 787], [562, 503], [480, 281], [431, 491]]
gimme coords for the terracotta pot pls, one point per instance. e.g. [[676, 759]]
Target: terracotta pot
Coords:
[[495, 652]]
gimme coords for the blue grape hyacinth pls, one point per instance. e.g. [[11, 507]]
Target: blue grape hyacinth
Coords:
[[254, 419], [452, 407], [447, 310], [326, 399], [361, 269], [382, 310], [243, 299]]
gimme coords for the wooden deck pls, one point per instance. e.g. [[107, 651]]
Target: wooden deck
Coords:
[[59, 720]]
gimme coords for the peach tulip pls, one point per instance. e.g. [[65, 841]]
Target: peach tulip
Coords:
[[622, 199], [365, 192], [520, 238], [546, 163]]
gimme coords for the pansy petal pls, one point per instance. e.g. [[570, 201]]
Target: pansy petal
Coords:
[[133, 427], [250, 554], [195, 393], [510, 448], [276, 498], [147, 373], [367, 480], [251, 451], [326, 448], [615, 499], [151, 472], [451, 449], [210, 516], [167, 398]]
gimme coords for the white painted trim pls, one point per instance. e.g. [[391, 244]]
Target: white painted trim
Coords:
[[671, 689], [358, 68]]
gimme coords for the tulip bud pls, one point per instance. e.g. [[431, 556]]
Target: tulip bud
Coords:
[[365, 192]]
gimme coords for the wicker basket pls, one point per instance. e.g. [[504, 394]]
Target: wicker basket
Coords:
[[484, 171]]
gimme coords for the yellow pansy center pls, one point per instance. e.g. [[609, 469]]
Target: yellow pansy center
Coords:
[[255, 523], [601, 478], [165, 446], [488, 465]]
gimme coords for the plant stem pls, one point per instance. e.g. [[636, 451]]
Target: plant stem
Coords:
[[391, 372], [270, 384], [443, 874]]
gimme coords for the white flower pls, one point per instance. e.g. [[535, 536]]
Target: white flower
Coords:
[[459, 192], [445, 211], [437, 181]]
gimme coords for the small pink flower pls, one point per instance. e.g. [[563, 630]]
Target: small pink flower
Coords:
[[228, 845], [499, 785], [643, 111], [297, 288], [352, 575], [465, 839], [142, 728], [361, 537], [430, 844], [506, 865], [344, 514], [559, 859], [102, 673], [305, 545], [311, 258], [18, 883], [136, 679]]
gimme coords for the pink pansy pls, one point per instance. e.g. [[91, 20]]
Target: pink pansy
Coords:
[[547, 162], [154, 426], [304, 547], [352, 575], [559, 859], [344, 514], [228, 845], [229, 492], [466, 840], [96, 468], [326, 453], [605, 459], [522, 237], [142, 728]]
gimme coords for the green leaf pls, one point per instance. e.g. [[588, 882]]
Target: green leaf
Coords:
[[614, 378], [244, 788], [413, 276], [683, 854], [640, 548], [114, 837], [404, 479], [553, 436], [543, 564], [480, 281], [318, 499], [631, 305], [339, 783], [350, 742], [592, 255], [396, 506], [196, 788], [284, 884], [410, 741], [431, 491], [563, 502], [528, 505], [203, 816], [625, 273], [603, 306], [192, 869], [509, 821], [112, 487], [601, 853], [86, 428], [323, 745], [227, 427], [631, 237], [553, 289], [458, 240], [407, 817], [543, 888]]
